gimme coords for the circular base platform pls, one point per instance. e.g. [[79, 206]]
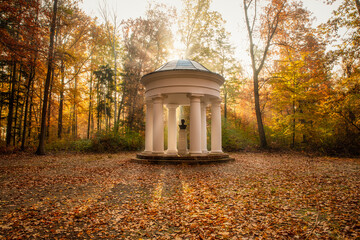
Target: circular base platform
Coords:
[[182, 159]]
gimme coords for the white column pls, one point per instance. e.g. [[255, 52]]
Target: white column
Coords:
[[203, 129], [195, 124], [149, 127], [216, 126], [158, 125], [172, 127]]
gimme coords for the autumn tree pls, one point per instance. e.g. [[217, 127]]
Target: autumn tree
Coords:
[[105, 87], [41, 147], [343, 31], [203, 34], [144, 39], [19, 46], [274, 13], [300, 81], [77, 41], [112, 27]]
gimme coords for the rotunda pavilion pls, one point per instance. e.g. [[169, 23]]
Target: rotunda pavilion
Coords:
[[182, 83]]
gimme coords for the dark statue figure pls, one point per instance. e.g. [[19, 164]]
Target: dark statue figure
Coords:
[[182, 126]]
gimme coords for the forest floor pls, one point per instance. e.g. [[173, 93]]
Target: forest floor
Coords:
[[105, 196]]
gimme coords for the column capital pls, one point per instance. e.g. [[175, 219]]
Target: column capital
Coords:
[[204, 104], [158, 96], [158, 99], [194, 95], [216, 101], [172, 105]]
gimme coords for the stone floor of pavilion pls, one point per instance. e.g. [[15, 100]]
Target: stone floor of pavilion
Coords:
[[182, 159]]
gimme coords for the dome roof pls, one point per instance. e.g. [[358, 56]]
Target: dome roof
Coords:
[[182, 65], [179, 78]]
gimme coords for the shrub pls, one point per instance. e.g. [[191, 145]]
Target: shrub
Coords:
[[80, 145], [235, 138], [115, 142]]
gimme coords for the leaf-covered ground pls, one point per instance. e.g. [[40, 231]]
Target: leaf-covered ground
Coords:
[[260, 195]]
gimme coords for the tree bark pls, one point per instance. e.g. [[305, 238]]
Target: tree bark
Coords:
[[28, 87], [115, 82], [90, 106], [30, 108], [225, 103], [98, 107], [256, 71], [17, 108], [61, 100], [293, 126], [357, 3], [74, 114], [11, 105], [41, 147], [49, 104], [272, 25], [111, 35], [262, 136]]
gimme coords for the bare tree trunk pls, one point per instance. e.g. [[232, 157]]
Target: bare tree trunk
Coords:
[[225, 102], [61, 100], [263, 143], [106, 112], [120, 110], [74, 117], [11, 105], [111, 35], [293, 126], [357, 2], [28, 88], [98, 108], [41, 147], [272, 28], [30, 108], [17, 107], [262, 136], [90, 106], [22, 105], [115, 82], [49, 105]]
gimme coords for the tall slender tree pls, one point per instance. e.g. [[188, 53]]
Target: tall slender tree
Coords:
[[41, 148], [112, 27], [272, 16]]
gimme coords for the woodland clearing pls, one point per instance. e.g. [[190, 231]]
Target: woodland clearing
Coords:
[[105, 196]]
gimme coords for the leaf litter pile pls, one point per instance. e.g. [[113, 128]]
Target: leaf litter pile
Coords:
[[102, 196]]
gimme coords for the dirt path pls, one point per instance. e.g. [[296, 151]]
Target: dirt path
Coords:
[[260, 195]]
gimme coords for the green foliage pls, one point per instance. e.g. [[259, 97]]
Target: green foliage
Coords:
[[102, 142], [115, 142], [236, 138], [81, 145], [341, 144]]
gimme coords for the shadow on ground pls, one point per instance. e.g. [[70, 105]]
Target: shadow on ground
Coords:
[[265, 195]]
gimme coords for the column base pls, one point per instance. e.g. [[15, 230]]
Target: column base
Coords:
[[171, 152], [216, 151], [205, 151], [195, 153], [187, 159], [158, 153], [185, 152]]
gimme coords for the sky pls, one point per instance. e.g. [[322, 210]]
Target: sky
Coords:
[[230, 10]]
